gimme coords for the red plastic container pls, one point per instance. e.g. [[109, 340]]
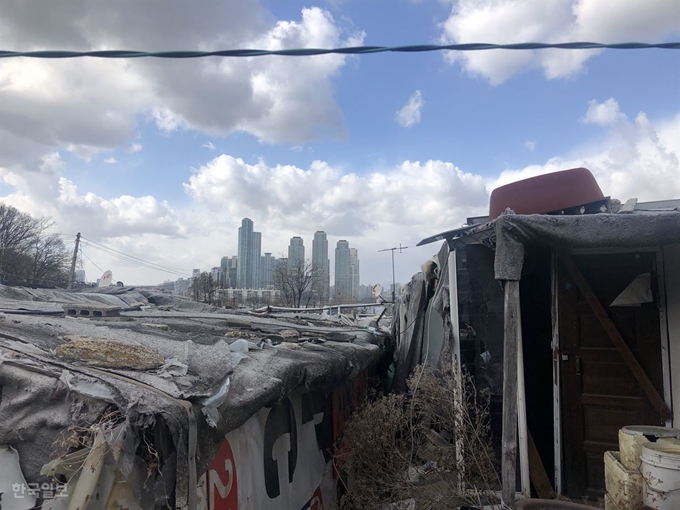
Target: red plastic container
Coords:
[[546, 193]]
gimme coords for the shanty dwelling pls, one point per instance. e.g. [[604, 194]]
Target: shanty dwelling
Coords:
[[125, 399], [565, 305]]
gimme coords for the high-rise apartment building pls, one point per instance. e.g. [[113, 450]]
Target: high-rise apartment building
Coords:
[[249, 246], [267, 263], [225, 265], [354, 273], [296, 252], [321, 262], [257, 267], [343, 273], [217, 274], [233, 272]]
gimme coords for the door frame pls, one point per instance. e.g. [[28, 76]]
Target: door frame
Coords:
[[663, 333]]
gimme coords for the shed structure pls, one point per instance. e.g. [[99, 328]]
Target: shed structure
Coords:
[[571, 319]]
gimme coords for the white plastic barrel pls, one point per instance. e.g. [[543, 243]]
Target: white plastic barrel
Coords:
[[660, 468]]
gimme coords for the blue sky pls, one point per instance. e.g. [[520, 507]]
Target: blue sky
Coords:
[[483, 121]]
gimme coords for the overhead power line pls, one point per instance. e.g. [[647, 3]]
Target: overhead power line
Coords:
[[132, 259], [146, 265], [354, 50], [92, 261], [131, 256]]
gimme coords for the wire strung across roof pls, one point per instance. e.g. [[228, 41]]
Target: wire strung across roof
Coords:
[[354, 50]]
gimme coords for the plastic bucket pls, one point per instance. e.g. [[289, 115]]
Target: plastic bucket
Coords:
[[660, 468], [632, 437]]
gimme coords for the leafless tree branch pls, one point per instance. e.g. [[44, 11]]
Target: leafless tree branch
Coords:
[[297, 280]]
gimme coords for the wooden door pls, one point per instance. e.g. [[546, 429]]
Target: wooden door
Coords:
[[599, 391]]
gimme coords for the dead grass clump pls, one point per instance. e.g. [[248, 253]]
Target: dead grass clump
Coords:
[[81, 435], [429, 448], [104, 353], [74, 444]]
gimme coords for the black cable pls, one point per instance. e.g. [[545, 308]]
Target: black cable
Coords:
[[133, 257], [356, 50], [134, 260]]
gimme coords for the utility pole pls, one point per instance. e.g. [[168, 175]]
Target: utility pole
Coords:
[[394, 282], [72, 274]]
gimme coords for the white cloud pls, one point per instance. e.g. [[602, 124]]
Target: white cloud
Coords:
[[409, 114], [603, 114], [513, 21], [401, 204], [49, 193], [398, 204], [208, 145], [89, 105], [136, 147], [637, 158], [111, 161], [292, 198], [530, 145], [372, 211]]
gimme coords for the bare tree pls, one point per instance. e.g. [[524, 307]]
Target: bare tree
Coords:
[[29, 253], [296, 279], [203, 288], [48, 256]]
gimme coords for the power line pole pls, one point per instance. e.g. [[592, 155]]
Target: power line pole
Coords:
[[71, 275], [394, 282]]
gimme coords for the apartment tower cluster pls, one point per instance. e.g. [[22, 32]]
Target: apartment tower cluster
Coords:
[[251, 269]]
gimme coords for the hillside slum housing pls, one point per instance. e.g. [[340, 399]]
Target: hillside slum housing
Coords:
[[565, 305], [121, 399]]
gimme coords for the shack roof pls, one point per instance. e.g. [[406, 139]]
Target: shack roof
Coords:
[[179, 360], [511, 233]]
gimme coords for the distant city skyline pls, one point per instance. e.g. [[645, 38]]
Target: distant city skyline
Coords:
[[249, 274]]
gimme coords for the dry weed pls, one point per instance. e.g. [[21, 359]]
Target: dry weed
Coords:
[[403, 451], [80, 437]]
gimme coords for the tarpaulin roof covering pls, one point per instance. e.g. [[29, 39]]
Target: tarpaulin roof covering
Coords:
[[158, 362], [511, 233], [514, 232]]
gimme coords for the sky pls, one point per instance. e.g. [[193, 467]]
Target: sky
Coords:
[[161, 159]]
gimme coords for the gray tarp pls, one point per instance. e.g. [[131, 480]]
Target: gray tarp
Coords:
[[514, 232], [408, 330], [441, 301], [44, 394], [409, 322]]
